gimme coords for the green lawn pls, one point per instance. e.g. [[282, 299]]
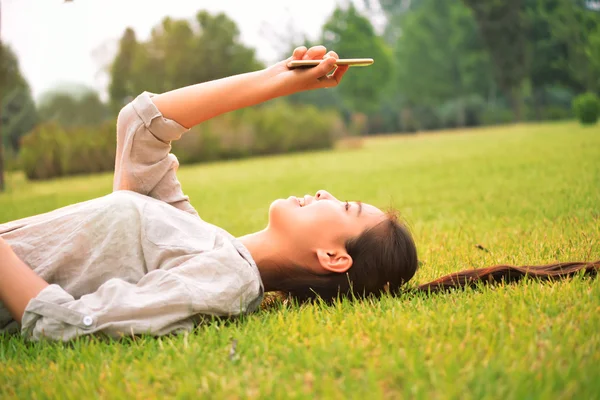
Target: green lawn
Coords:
[[527, 193]]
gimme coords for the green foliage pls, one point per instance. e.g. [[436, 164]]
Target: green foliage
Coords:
[[544, 48], [51, 150], [17, 109], [555, 113], [70, 109], [577, 29], [11, 160], [531, 47], [528, 194], [587, 108], [352, 35], [441, 62], [497, 115], [121, 71], [179, 53], [364, 90], [502, 27], [277, 127]]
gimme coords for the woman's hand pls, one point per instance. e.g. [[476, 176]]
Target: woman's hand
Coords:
[[297, 80], [195, 104]]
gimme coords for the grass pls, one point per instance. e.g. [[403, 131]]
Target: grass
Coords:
[[527, 193]]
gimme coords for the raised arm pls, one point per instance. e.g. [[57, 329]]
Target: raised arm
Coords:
[[147, 126], [194, 104]]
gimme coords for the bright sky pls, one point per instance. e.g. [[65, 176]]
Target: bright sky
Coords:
[[58, 42]]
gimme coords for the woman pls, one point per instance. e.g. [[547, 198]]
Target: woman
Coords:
[[140, 260]]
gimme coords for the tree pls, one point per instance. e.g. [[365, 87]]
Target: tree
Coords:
[[69, 107], [179, 53], [393, 11], [19, 115], [352, 36], [577, 29], [121, 71], [441, 62], [364, 91], [544, 53], [17, 108], [501, 25]]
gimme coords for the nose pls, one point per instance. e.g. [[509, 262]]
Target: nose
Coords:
[[324, 195]]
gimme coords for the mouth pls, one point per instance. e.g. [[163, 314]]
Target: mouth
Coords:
[[300, 201]]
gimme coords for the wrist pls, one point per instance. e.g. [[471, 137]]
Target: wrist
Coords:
[[280, 79]]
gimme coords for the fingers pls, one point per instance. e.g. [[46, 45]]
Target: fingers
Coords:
[[339, 73], [322, 73], [315, 53], [334, 79], [332, 54], [324, 67], [299, 52]]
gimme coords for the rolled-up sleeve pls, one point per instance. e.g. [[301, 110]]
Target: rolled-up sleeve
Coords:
[[144, 162], [162, 302]]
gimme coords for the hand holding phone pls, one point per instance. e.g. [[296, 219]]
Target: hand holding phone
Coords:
[[352, 62]]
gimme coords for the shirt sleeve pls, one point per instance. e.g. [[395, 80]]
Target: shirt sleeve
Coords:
[[144, 162], [162, 302]]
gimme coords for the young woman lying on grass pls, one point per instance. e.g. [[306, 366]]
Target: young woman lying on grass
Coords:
[[140, 260]]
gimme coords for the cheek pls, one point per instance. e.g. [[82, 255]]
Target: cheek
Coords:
[[306, 226], [295, 222], [321, 222]]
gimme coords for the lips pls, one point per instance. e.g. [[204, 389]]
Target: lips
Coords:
[[302, 201]]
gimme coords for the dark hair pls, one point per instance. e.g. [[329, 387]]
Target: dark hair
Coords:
[[508, 274], [385, 257]]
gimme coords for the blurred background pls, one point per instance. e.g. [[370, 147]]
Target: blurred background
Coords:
[[67, 67]]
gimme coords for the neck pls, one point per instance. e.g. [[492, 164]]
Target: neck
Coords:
[[269, 255]]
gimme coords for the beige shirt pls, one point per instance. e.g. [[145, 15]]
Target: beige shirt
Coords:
[[138, 260]]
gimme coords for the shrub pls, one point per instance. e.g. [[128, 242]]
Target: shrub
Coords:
[[11, 160], [587, 108], [277, 127], [556, 113], [50, 150], [494, 115], [461, 111], [41, 151]]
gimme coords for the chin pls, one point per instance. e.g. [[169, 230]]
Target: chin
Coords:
[[279, 203], [289, 204], [280, 210]]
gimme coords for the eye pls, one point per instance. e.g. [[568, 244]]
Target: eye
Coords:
[[347, 206]]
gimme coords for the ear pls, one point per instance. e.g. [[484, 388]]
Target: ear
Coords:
[[334, 260]]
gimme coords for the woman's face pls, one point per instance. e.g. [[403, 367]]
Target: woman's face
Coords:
[[320, 222]]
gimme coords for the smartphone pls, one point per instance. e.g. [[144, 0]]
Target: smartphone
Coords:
[[353, 62]]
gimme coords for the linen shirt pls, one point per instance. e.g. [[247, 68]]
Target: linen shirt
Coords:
[[138, 260]]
